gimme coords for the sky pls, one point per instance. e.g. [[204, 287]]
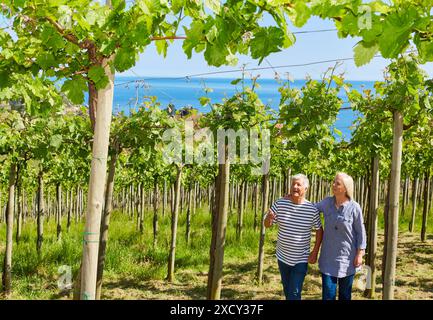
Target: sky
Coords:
[[309, 47]]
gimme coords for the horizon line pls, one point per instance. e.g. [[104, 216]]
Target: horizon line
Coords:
[[228, 78]]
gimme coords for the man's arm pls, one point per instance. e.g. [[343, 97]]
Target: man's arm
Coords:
[[314, 253], [269, 218]]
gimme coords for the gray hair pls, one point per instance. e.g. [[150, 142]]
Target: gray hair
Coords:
[[300, 176]]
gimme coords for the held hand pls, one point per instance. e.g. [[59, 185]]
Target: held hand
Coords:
[[357, 262], [312, 259]]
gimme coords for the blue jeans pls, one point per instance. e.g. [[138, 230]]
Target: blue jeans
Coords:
[[292, 278], [329, 287]]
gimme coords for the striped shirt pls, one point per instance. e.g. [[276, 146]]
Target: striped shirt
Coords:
[[295, 222]]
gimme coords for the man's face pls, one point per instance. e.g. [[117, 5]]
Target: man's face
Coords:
[[297, 188]]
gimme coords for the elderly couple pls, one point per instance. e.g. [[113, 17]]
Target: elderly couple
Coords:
[[344, 238]]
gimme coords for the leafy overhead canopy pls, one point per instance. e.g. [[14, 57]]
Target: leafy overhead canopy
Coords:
[[69, 40], [385, 27]]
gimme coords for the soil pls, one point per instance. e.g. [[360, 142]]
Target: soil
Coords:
[[414, 279]]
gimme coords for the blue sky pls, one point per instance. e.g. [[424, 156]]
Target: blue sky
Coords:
[[308, 48]]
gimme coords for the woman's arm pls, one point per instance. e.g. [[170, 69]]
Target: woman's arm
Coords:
[[360, 236], [357, 262], [317, 224], [314, 253], [321, 205]]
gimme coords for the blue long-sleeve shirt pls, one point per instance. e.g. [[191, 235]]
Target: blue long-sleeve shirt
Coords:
[[344, 234]]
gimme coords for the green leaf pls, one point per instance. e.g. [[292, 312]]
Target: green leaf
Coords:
[[425, 48], [71, 127], [74, 89], [303, 13], [50, 73], [143, 6], [56, 3], [232, 60], [46, 60], [4, 78], [98, 76], [56, 140], [215, 55], [338, 80], [364, 52], [235, 82], [161, 47], [266, 41], [153, 6], [71, 48], [65, 16], [177, 5], [338, 132], [305, 146], [379, 6], [372, 33], [212, 34], [119, 4], [51, 38], [92, 17], [204, 100], [7, 54], [397, 28], [193, 37], [125, 59], [82, 22], [349, 24], [214, 5]]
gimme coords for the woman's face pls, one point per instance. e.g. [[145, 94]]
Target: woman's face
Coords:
[[338, 187]]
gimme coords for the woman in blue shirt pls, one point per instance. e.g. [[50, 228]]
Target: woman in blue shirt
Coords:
[[344, 239]]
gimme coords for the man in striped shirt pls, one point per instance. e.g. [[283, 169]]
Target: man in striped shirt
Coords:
[[296, 217]]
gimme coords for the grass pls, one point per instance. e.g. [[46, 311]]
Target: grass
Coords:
[[135, 269]]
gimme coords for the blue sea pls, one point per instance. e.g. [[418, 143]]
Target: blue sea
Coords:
[[130, 92]]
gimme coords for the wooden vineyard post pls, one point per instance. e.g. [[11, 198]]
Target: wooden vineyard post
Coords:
[[392, 239]]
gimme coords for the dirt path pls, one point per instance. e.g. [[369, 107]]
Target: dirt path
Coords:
[[414, 278]]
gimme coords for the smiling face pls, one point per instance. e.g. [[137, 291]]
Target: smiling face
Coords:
[[338, 187], [298, 189]]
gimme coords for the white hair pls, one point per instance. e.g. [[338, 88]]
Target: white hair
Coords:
[[348, 183], [304, 178]]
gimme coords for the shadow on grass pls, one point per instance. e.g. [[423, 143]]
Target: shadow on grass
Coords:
[[424, 284], [412, 251], [232, 294], [236, 268], [62, 295], [238, 282]]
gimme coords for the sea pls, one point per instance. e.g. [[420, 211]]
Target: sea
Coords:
[[131, 92]]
